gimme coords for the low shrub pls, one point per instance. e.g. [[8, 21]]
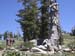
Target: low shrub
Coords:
[[28, 44], [72, 45], [11, 53]]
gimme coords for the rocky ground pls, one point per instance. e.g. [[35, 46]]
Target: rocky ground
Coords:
[[1, 53]]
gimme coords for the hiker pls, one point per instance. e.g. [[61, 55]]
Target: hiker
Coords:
[[9, 41], [8, 44], [12, 41]]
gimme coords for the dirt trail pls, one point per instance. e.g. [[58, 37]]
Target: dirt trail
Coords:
[[1, 52]]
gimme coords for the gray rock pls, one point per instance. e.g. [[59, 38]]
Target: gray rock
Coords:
[[42, 47], [34, 41], [38, 50]]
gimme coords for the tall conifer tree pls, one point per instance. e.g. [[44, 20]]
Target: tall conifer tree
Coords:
[[28, 17], [44, 19]]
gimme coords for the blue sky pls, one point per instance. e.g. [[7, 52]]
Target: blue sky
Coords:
[[67, 14], [9, 9]]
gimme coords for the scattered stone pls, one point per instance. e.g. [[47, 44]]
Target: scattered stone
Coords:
[[34, 41], [24, 49], [12, 48], [35, 49], [73, 51], [67, 50], [41, 47]]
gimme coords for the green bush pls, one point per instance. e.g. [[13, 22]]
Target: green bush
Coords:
[[68, 54], [28, 44], [2, 45], [71, 45], [19, 53], [11, 53]]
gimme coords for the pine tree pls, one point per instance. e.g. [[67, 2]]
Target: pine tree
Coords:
[[44, 19], [0, 36], [44, 31], [11, 34], [5, 35], [28, 17], [73, 31]]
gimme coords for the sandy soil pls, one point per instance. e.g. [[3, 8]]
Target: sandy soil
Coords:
[[1, 53]]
